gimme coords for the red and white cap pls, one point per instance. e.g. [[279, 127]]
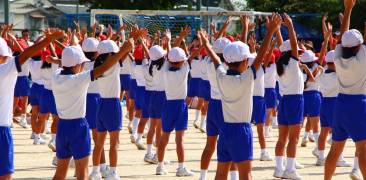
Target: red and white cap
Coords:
[[156, 52], [308, 56], [352, 38], [177, 55], [107, 46], [236, 52], [329, 58], [90, 45], [72, 56], [220, 44]]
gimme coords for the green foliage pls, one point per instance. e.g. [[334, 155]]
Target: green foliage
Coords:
[[132, 4]]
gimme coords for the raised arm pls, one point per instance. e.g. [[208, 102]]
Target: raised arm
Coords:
[[327, 35], [348, 6], [214, 58], [324, 24], [32, 50], [273, 24], [279, 38], [183, 34], [168, 37], [292, 35], [308, 72], [15, 43], [224, 28], [244, 19]]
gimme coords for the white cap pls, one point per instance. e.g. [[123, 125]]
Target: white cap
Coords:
[[177, 55], [329, 58], [4, 48], [308, 56], [90, 45], [156, 52], [220, 44], [236, 52], [352, 38], [72, 56], [285, 46], [107, 46]]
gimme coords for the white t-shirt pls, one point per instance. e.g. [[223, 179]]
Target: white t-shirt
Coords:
[[312, 86], [236, 95], [175, 82], [47, 74], [8, 78], [196, 68], [328, 83], [139, 74], [93, 86], [36, 71], [204, 74], [126, 66], [259, 83], [132, 72], [292, 81], [211, 72], [149, 84], [158, 78], [70, 94], [351, 72], [25, 69], [270, 77], [109, 85]]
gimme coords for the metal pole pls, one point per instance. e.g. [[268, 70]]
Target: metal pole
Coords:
[[6, 11]]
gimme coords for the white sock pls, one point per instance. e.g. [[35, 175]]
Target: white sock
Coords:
[[112, 169], [53, 137], [180, 165], [139, 137], [316, 137], [129, 123], [203, 174], [135, 123], [234, 175], [279, 162], [203, 117], [306, 134], [149, 149], [96, 169], [161, 164], [103, 166], [263, 151], [321, 154], [266, 129], [355, 163], [197, 115], [290, 166], [274, 120], [37, 136]]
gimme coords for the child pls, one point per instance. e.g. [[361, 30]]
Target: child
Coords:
[[9, 68], [236, 87]]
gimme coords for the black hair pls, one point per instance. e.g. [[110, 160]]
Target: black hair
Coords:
[[348, 52], [282, 61], [25, 31], [90, 55], [158, 63], [309, 64], [195, 37], [221, 56], [46, 65], [234, 65], [100, 59]]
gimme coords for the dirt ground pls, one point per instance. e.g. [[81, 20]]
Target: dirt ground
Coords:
[[34, 162]]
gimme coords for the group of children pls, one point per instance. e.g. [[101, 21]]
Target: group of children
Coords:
[[81, 78]]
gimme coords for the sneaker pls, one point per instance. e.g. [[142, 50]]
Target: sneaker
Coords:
[[129, 127], [304, 141], [39, 141], [298, 165], [112, 176], [183, 171], [48, 131], [104, 172], [155, 159], [203, 126], [149, 158], [195, 124], [320, 162], [315, 152], [132, 138], [54, 161], [311, 137], [278, 173], [140, 145], [160, 170], [265, 157], [95, 176], [291, 175], [32, 135], [23, 123], [44, 136], [52, 146], [355, 174], [343, 163]]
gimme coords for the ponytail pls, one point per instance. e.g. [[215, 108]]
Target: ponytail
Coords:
[[348, 52], [282, 61], [159, 63], [100, 59]]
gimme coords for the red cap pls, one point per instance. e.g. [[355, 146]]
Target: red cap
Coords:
[[231, 38], [276, 53], [203, 52], [138, 53], [102, 37], [273, 58]]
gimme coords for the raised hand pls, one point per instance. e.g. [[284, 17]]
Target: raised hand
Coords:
[[244, 19], [168, 34], [274, 22], [202, 35], [55, 34], [185, 31], [287, 20], [328, 31], [325, 17], [349, 4]]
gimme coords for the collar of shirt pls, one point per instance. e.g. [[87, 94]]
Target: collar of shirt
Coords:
[[173, 69], [232, 72], [66, 72], [329, 71]]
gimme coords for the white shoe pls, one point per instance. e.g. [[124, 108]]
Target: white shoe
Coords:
[[320, 162], [315, 152], [291, 175], [104, 172], [298, 165], [160, 170], [343, 163], [132, 138], [149, 158], [304, 141], [52, 145], [203, 126], [355, 174], [23, 123], [140, 145], [265, 157], [278, 173], [195, 124], [48, 131], [95, 176], [44, 136], [183, 171], [39, 141], [32, 135], [129, 127], [112, 176], [54, 161], [311, 137], [155, 159]]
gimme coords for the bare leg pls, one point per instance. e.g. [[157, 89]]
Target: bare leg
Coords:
[[81, 168], [113, 150], [61, 170], [330, 164]]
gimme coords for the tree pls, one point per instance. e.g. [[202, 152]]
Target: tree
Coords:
[[132, 4]]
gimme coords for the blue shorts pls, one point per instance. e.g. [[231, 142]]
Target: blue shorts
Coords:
[[73, 139], [92, 109], [47, 102], [312, 103], [327, 111], [6, 151], [349, 118], [194, 87], [205, 90], [139, 97], [35, 94], [157, 104], [235, 143], [259, 110], [125, 81], [279, 97], [175, 116], [110, 115], [270, 95], [291, 110], [133, 86], [145, 107], [215, 117], [22, 87]]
